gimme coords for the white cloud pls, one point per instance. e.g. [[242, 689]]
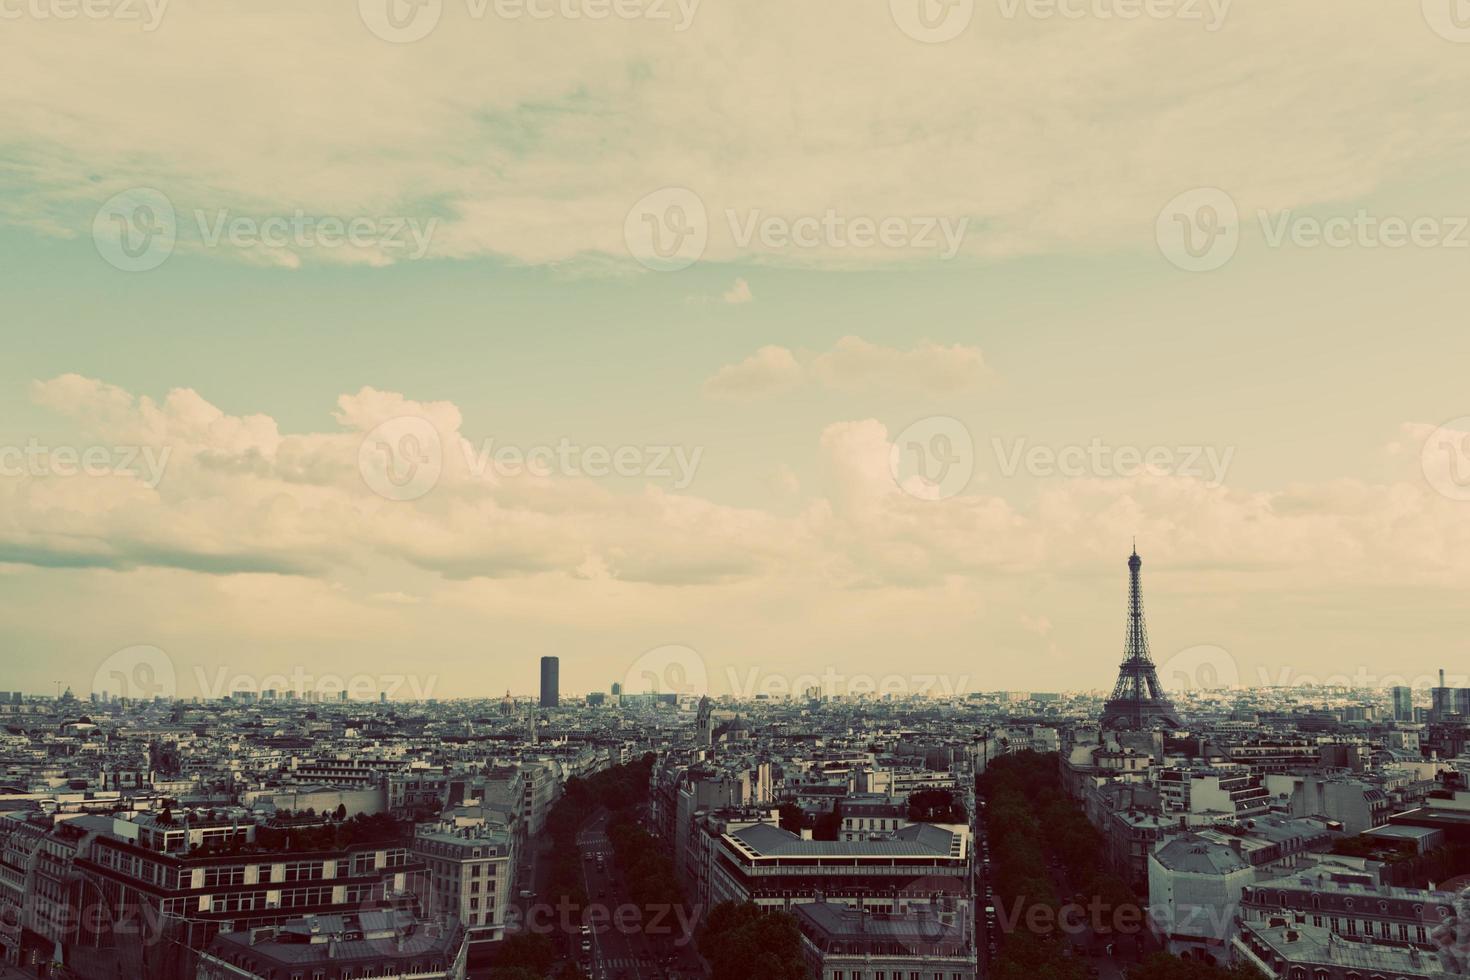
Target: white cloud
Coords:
[[855, 363], [738, 293], [770, 369]]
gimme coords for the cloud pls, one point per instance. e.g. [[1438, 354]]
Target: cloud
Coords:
[[851, 364], [531, 139], [241, 497], [770, 369], [854, 363], [738, 293]]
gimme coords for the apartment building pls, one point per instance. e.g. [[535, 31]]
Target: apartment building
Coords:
[[839, 943], [206, 892], [1234, 792], [1296, 952], [1348, 909], [387, 945], [471, 871], [921, 867]]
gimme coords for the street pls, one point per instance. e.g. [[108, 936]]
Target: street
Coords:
[[626, 953]]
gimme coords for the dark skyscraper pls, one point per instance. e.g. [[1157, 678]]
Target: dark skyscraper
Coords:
[[1138, 700], [1403, 704], [550, 679]]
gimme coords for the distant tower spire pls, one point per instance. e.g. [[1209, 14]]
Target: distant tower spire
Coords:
[[1138, 699]]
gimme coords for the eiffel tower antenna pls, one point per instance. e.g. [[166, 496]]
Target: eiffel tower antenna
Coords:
[[1138, 700]]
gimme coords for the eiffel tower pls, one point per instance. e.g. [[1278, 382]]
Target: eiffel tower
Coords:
[[1138, 700]]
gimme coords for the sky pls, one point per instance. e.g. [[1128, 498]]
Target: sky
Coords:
[[731, 346]]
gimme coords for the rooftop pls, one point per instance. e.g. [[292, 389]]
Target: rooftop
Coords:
[[919, 840]]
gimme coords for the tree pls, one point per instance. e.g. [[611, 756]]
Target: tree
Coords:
[[741, 941], [936, 806], [1162, 966], [341, 812], [523, 953], [828, 826]]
